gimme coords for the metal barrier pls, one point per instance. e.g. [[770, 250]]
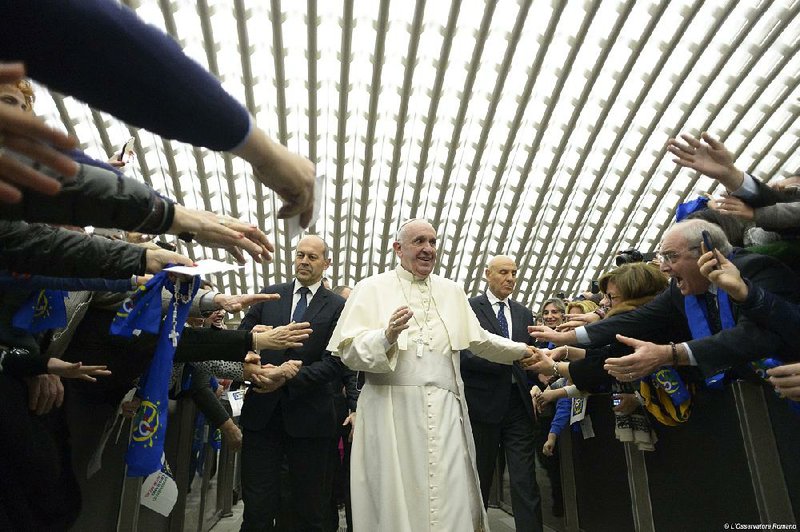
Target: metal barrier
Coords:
[[736, 460], [211, 495]]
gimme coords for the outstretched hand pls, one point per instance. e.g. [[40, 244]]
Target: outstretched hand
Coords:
[[786, 380], [289, 336], [76, 370], [29, 136], [645, 359], [544, 333], [231, 303], [733, 206], [225, 232], [709, 157], [288, 174]]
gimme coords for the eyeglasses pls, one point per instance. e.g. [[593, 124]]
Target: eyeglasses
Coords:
[[671, 257]]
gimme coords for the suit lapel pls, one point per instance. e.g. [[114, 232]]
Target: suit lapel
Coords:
[[316, 304], [488, 311], [287, 293], [518, 327]]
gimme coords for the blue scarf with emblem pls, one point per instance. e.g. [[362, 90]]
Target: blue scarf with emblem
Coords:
[[142, 312]]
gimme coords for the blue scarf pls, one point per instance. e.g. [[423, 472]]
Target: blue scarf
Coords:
[[142, 312], [697, 316], [685, 209], [43, 310]]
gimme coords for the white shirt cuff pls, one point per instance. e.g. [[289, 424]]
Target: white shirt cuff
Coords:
[[749, 189], [386, 344], [692, 360], [581, 336]]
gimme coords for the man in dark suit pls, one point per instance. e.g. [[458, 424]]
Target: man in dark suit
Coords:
[[299, 419], [713, 353], [498, 399]]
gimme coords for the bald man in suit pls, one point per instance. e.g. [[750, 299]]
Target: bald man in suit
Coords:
[[498, 399]]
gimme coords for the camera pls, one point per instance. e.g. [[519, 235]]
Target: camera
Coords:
[[632, 255]]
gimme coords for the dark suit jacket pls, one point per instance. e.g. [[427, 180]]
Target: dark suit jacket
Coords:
[[487, 385], [728, 348], [306, 401], [766, 195]]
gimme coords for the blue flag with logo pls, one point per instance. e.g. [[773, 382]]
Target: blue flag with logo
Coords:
[[43, 310], [141, 311], [150, 422]]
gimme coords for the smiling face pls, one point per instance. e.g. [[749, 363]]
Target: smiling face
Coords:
[[416, 248], [501, 275], [310, 260], [552, 316], [679, 262]]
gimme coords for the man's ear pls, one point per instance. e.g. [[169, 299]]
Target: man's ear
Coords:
[[396, 247]]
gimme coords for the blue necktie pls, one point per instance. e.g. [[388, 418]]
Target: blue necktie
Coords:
[[501, 319], [302, 305]]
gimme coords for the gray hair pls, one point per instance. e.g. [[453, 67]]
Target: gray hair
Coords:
[[339, 289], [692, 232]]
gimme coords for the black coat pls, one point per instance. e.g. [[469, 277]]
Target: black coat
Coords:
[[306, 401], [487, 385], [719, 352]]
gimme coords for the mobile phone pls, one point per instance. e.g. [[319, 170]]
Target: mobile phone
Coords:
[[709, 245], [126, 148], [594, 287], [707, 241], [616, 400]]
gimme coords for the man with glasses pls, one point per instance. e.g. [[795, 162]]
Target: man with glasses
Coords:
[[707, 330]]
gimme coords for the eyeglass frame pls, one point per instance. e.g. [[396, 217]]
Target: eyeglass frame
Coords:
[[671, 257]]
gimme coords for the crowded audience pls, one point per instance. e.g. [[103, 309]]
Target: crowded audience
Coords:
[[451, 384]]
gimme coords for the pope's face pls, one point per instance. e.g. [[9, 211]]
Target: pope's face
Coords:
[[417, 250]]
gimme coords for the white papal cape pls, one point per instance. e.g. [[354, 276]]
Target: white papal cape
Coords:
[[413, 458]]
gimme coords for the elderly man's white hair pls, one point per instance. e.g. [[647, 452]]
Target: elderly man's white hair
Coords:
[[398, 237], [692, 232]]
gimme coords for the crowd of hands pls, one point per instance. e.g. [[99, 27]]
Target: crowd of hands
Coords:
[[292, 177], [288, 174]]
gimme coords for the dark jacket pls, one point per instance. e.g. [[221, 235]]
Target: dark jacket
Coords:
[[487, 385], [44, 250], [306, 401], [773, 313], [730, 347], [97, 197]]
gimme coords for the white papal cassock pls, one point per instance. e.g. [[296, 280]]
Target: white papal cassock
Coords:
[[413, 459]]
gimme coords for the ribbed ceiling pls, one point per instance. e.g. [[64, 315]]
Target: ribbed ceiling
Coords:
[[530, 128]]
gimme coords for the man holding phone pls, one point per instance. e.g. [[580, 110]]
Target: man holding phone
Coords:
[[707, 329]]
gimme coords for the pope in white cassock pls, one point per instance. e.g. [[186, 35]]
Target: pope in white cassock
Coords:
[[413, 459]]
